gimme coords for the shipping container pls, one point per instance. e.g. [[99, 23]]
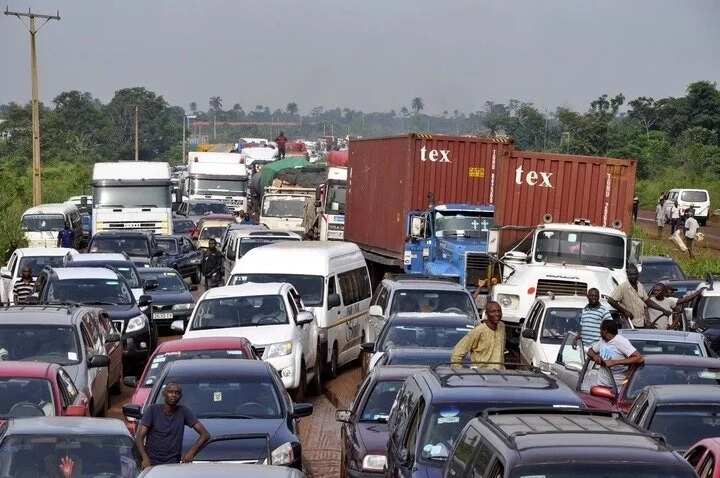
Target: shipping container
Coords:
[[392, 176], [338, 158]]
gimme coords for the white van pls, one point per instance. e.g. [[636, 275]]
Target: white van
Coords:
[[240, 242], [698, 199], [41, 224], [333, 282]]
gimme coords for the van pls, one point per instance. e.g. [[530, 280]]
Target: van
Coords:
[[240, 242], [698, 199], [41, 224], [333, 281]]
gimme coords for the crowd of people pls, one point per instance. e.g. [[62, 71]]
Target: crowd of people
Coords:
[[677, 220]]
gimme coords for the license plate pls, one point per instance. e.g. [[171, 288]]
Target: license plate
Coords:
[[163, 315]]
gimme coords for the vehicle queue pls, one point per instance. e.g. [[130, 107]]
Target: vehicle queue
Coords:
[[292, 313]]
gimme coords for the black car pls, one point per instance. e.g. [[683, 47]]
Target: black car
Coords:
[[104, 288], [659, 268], [120, 263], [364, 431], [182, 226], [171, 297], [181, 254], [417, 356], [244, 402], [140, 246], [550, 442], [435, 404]]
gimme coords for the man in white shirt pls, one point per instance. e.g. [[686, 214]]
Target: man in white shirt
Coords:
[[674, 217], [614, 352], [691, 229]]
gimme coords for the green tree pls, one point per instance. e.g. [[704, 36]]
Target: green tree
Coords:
[[417, 105], [292, 108]]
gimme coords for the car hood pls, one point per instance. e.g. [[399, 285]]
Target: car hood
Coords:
[[140, 261], [236, 449], [167, 298], [258, 336], [121, 312], [374, 436]]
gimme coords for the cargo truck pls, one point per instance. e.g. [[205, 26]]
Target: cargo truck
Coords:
[[221, 176], [331, 205]]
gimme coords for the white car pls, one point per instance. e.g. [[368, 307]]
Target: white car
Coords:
[[697, 199], [272, 317], [37, 258]]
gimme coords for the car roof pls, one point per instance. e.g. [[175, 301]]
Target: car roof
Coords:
[[421, 284], [102, 257], [662, 335], [51, 208], [581, 228], [217, 368], [44, 251], [123, 233], [685, 393], [220, 470], [71, 273], [38, 315], [156, 270], [247, 289], [67, 426], [656, 259], [392, 372], [203, 343], [25, 369]]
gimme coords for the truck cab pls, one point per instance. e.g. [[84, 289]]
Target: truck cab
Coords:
[[222, 176], [333, 196], [565, 260], [288, 209], [449, 240]]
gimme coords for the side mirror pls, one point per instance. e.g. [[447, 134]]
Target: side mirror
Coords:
[[304, 317], [5, 273], [150, 284], [368, 347], [375, 311], [302, 410], [113, 337], [75, 411], [130, 381], [529, 334], [602, 392], [177, 326], [343, 416], [417, 227], [98, 361], [132, 411], [333, 301], [144, 300]]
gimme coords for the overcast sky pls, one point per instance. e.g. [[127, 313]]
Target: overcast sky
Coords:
[[373, 55]]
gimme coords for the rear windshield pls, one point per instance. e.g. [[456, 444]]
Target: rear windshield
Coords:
[[651, 347], [160, 361], [381, 399], [671, 375], [684, 425], [693, 196], [38, 263], [601, 470]]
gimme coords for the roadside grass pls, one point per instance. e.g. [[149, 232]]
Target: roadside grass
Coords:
[[706, 260]]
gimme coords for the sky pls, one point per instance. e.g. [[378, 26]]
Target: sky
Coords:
[[374, 55]]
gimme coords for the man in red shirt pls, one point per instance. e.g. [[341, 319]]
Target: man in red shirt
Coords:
[[281, 140]]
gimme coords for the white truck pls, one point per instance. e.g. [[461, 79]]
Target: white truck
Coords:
[[132, 195], [221, 176], [565, 260], [288, 209], [332, 205]]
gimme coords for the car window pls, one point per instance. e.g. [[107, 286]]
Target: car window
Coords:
[[467, 448], [694, 456], [67, 386], [497, 470], [708, 467], [354, 285], [410, 442], [377, 407], [570, 352], [11, 264], [332, 287], [293, 306]]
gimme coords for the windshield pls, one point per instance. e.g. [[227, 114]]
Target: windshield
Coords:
[[378, 405], [168, 281], [428, 334], [236, 397], [133, 246], [684, 425], [601, 470], [202, 208], [559, 322], [652, 272], [130, 275], [167, 245], [214, 186], [38, 263], [39, 343], [441, 428], [426, 358], [458, 302], [465, 223], [160, 361], [708, 310], [671, 375], [248, 311], [693, 196], [248, 244], [284, 206], [132, 196], [653, 347], [310, 288], [89, 291], [26, 397], [335, 203], [583, 248], [91, 456], [43, 222], [212, 232]]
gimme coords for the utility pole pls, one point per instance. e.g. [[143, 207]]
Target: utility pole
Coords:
[[33, 29], [136, 134]]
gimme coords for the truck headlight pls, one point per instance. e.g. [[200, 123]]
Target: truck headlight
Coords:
[[183, 306], [283, 455], [135, 324], [374, 463], [278, 350], [509, 301]]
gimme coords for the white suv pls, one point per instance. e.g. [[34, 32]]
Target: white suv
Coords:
[[37, 258], [698, 199], [272, 317]]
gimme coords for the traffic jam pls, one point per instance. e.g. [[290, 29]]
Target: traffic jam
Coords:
[[495, 313]]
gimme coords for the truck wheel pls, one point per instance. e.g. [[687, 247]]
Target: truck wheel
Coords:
[[333, 368]]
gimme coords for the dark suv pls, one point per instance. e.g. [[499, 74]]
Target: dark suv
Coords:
[[140, 246], [435, 404], [560, 443]]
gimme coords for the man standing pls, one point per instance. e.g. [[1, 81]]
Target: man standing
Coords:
[[281, 141], [593, 314], [24, 287], [631, 300], [211, 265], [485, 343], [691, 229], [164, 424], [635, 208], [614, 352], [660, 217], [674, 217], [661, 296], [66, 237]]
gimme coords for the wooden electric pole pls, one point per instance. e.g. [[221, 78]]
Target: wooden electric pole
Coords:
[[33, 29], [137, 152]]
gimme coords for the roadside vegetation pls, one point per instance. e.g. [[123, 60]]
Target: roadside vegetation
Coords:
[[706, 260]]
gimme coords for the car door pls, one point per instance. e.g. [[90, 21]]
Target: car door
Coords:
[[308, 333], [113, 349], [8, 274], [97, 376], [570, 361], [526, 342]]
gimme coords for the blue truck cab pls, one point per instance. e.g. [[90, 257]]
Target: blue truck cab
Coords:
[[449, 240]]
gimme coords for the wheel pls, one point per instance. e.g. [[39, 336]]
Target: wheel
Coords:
[[315, 387], [333, 368], [196, 277], [302, 385]]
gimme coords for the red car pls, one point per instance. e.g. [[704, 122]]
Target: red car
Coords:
[[166, 352], [36, 389], [704, 457]]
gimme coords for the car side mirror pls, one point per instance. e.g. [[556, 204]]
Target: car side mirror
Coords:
[[529, 334], [375, 311], [75, 411], [150, 284], [132, 411], [333, 301], [304, 317], [602, 392], [130, 381], [98, 361], [302, 410], [343, 416], [368, 347], [113, 337], [5, 273], [177, 326], [144, 300]]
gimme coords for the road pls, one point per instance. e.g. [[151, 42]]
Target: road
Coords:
[[711, 230]]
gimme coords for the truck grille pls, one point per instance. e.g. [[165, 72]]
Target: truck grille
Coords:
[[560, 287], [476, 268], [145, 226]]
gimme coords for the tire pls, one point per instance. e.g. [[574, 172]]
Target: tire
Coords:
[[299, 392], [332, 371], [196, 278], [315, 387]]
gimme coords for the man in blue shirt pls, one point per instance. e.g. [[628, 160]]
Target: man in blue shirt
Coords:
[[66, 237], [592, 316]]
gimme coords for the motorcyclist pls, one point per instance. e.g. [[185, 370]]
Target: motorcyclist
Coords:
[[211, 266]]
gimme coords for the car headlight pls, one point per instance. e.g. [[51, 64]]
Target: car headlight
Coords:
[[278, 350], [283, 455], [373, 463], [509, 301], [136, 323], [183, 306]]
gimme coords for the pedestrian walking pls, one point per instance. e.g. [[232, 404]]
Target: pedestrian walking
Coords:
[[160, 437], [593, 314], [691, 230], [66, 237], [24, 287], [211, 265], [281, 141], [631, 300], [485, 343], [660, 217], [674, 217], [635, 208], [614, 352]]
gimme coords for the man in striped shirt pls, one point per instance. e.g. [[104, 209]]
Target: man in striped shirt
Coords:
[[592, 316], [24, 287]]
